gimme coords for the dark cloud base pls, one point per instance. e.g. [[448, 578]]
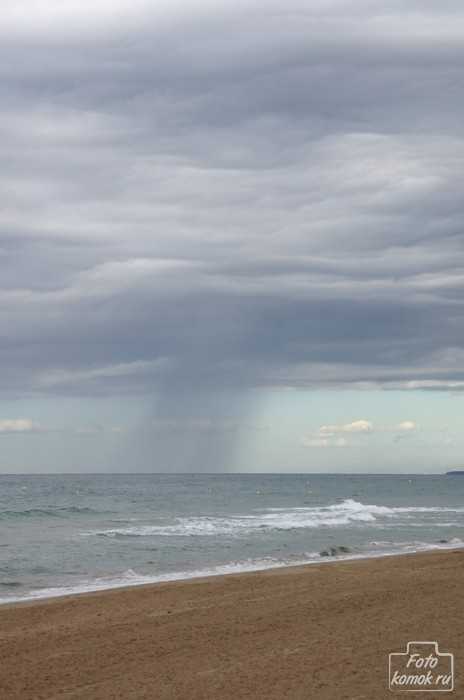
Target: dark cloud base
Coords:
[[237, 199]]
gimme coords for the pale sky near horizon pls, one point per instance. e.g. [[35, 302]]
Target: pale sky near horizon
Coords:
[[231, 236]]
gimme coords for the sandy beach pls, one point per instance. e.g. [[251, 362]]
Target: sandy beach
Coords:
[[320, 631]]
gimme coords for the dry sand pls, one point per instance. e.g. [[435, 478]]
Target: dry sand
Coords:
[[314, 632]]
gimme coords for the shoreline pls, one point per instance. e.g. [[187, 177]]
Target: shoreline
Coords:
[[297, 631], [62, 592]]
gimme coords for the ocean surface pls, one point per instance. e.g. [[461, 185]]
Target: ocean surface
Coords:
[[66, 534]]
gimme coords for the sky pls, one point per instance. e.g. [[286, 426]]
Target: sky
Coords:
[[231, 236]]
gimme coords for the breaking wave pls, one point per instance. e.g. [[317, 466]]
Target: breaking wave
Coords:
[[349, 512], [133, 578]]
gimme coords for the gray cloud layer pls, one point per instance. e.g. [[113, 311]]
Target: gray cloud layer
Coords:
[[231, 196]]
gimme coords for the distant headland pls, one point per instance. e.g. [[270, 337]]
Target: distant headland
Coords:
[[455, 472]]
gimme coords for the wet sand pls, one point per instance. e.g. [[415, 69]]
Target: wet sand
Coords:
[[315, 632]]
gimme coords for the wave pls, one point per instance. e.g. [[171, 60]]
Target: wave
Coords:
[[133, 578], [349, 512], [51, 512]]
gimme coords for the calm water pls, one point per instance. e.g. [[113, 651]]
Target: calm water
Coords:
[[61, 534]]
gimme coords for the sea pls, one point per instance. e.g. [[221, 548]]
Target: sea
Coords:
[[62, 534]]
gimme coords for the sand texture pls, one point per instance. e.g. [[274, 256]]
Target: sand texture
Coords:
[[311, 633]]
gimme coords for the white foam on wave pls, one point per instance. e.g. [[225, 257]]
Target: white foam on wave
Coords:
[[337, 515], [416, 545], [132, 578], [348, 512]]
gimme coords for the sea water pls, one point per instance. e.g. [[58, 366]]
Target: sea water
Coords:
[[69, 533]]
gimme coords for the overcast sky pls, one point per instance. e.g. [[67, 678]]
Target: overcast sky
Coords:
[[231, 235]]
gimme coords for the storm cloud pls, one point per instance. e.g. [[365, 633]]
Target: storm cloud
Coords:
[[234, 195]]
